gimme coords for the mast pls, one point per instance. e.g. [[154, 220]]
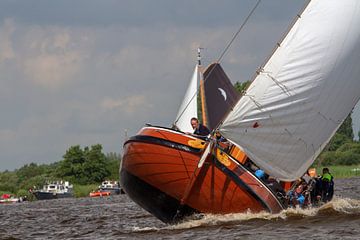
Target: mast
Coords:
[[202, 90], [199, 56], [189, 106]]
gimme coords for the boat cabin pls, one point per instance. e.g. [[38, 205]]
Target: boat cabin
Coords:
[[56, 187]]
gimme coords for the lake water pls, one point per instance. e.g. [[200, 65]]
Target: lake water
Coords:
[[118, 217]]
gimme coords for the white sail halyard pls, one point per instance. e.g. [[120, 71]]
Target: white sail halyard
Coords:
[[188, 108], [303, 93]]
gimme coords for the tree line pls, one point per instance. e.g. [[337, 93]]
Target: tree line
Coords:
[[88, 165], [342, 148]]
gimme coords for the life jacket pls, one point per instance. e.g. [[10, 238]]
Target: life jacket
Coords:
[[260, 174], [327, 177]]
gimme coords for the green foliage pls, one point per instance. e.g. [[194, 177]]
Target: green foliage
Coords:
[[350, 146], [71, 167], [113, 161], [4, 192], [337, 141], [94, 167], [8, 182], [85, 168], [347, 158], [28, 171], [340, 158], [84, 190], [24, 193], [37, 181], [346, 128], [240, 87], [342, 149]]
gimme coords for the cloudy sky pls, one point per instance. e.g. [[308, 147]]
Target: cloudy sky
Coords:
[[85, 72]]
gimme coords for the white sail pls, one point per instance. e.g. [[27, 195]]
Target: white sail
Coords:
[[304, 91], [188, 108]]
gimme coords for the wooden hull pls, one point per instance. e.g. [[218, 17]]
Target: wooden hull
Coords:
[[161, 172]]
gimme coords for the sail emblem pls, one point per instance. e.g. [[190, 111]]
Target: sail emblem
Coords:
[[223, 93]]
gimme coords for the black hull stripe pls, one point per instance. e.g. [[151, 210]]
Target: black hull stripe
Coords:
[[163, 142], [153, 200], [239, 182]]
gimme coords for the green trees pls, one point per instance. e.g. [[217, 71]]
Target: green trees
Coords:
[[8, 182], [342, 149], [21, 180], [346, 128], [240, 87], [83, 166], [113, 161], [88, 166], [95, 166], [71, 167]]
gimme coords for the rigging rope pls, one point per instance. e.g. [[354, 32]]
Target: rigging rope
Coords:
[[222, 55], [237, 33]]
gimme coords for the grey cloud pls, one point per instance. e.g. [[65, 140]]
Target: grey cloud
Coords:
[[116, 68], [140, 12]]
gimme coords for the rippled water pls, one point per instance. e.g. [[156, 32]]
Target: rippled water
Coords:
[[118, 217]]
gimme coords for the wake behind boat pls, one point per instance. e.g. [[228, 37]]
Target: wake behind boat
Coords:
[[282, 122]]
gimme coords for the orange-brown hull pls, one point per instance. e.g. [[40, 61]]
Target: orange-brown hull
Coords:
[[161, 172]]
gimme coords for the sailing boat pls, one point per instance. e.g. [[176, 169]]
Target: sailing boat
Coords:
[[294, 105]]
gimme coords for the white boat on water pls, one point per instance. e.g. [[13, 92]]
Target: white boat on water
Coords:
[[54, 190], [110, 186]]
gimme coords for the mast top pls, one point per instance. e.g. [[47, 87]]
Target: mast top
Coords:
[[199, 55]]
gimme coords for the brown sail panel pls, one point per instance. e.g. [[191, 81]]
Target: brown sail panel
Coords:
[[220, 94]]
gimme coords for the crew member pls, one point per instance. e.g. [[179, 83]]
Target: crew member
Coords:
[[327, 185], [199, 129]]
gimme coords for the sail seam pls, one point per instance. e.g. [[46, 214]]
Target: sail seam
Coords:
[[280, 85], [258, 105]]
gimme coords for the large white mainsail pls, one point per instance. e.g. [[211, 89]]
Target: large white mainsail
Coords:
[[188, 108], [304, 91]]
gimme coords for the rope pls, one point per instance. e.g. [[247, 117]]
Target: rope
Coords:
[[237, 33], [222, 55]]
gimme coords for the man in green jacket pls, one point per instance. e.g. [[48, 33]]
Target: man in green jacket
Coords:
[[327, 185]]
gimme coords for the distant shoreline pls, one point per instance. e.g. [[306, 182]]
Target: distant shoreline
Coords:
[[341, 171]]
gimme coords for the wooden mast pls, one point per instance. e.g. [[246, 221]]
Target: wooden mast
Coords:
[[202, 91]]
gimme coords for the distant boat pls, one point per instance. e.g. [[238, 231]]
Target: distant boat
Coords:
[[107, 188], [99, 193], [54, 190], [110, 186], [294, 105], [9, 198]]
